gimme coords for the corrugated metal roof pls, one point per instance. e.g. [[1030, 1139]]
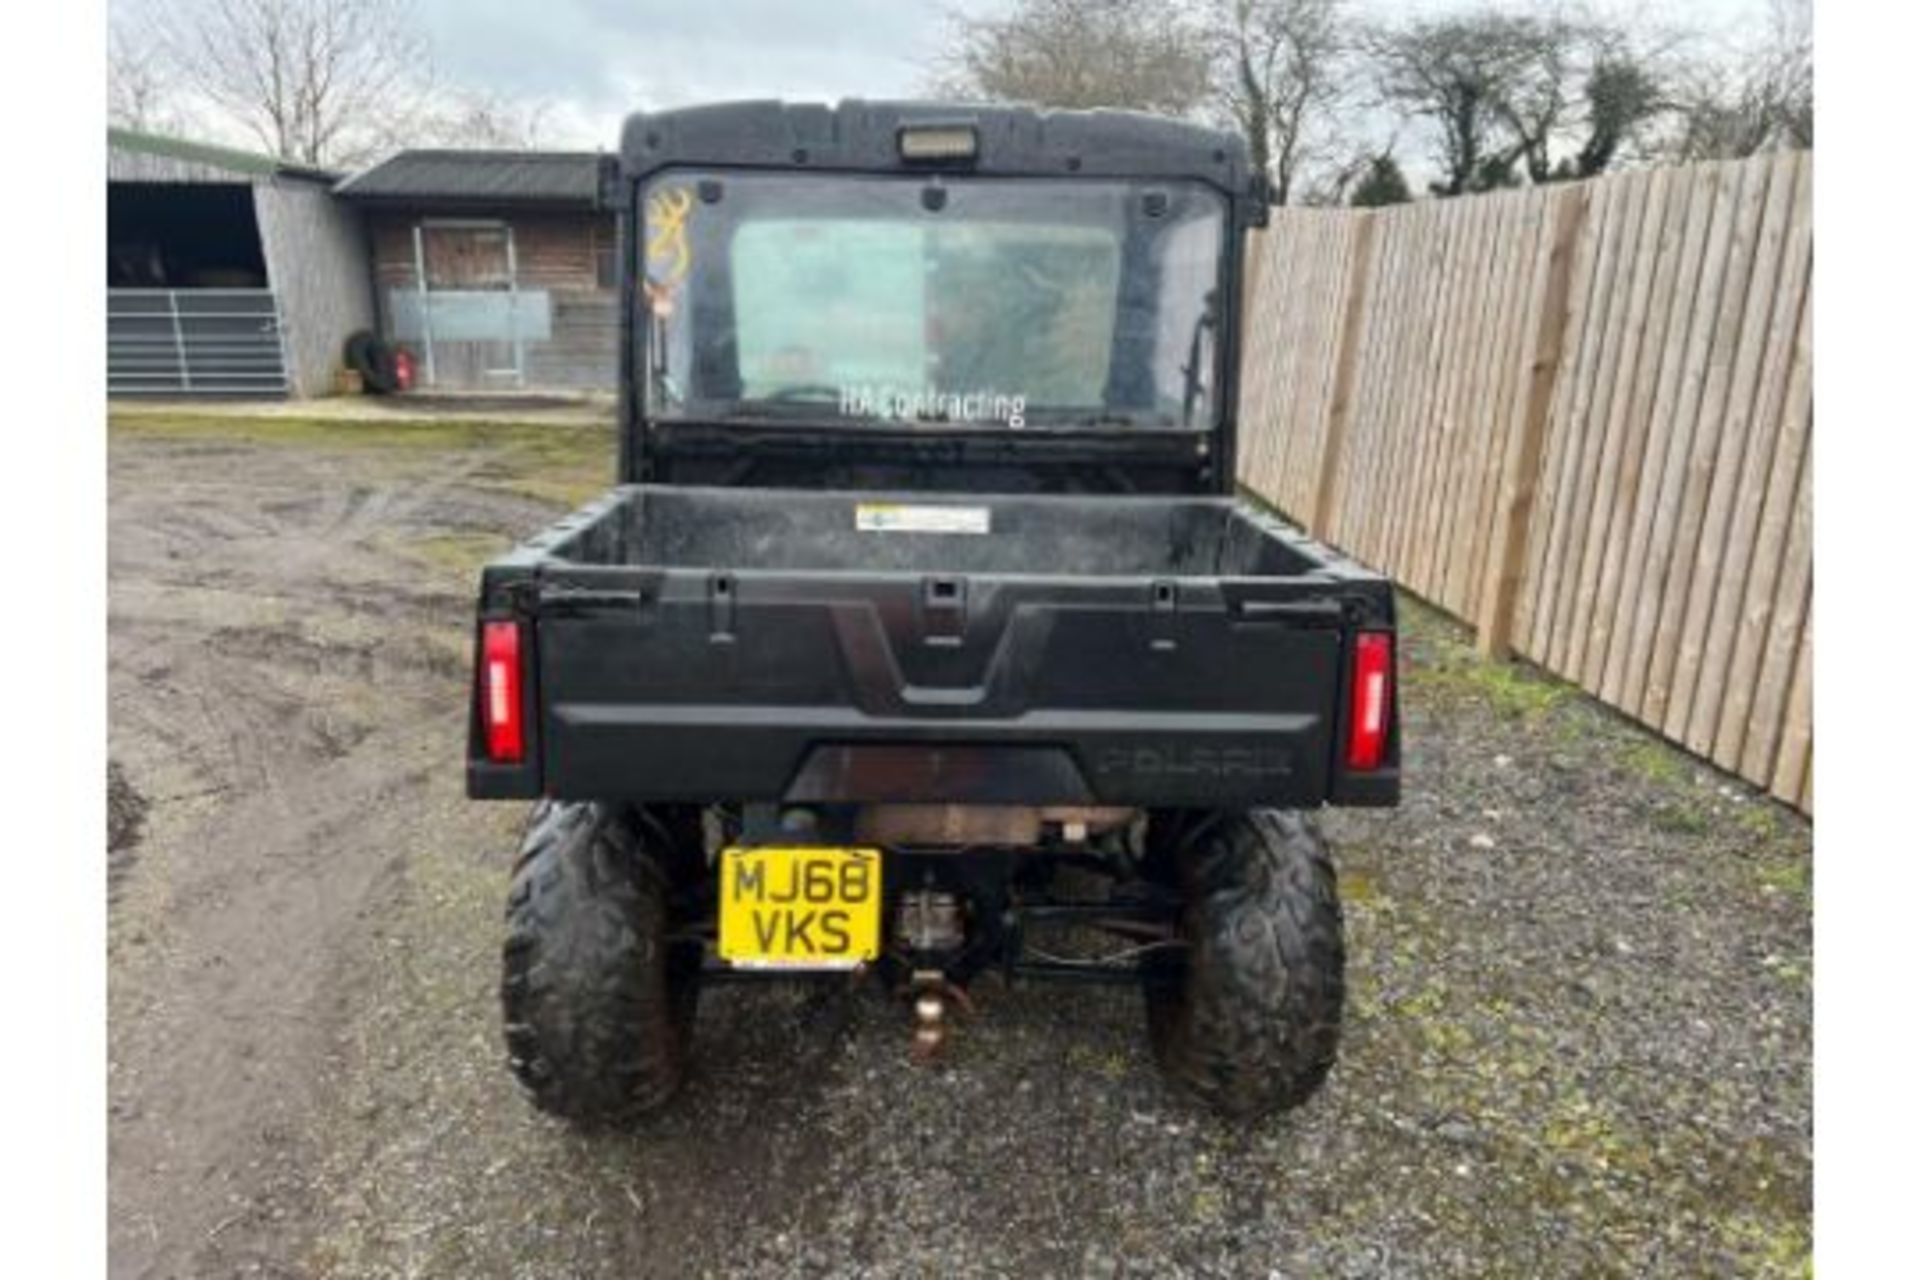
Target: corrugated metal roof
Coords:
[[543, 177], [207, 155]]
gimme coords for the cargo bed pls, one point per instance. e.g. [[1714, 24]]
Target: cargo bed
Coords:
[[709, 644], [1092, 536]]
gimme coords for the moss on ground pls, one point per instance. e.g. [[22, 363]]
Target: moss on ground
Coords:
[[1788, 873], [1358, 888]]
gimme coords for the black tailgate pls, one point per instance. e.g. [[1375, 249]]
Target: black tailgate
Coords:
[[670, 684]]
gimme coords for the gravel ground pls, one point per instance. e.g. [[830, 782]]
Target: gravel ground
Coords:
[[1580, 970]]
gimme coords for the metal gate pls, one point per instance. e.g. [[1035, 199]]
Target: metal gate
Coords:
[[194, 342]]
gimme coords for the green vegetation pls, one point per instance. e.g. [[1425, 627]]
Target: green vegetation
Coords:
[[1442, 666], [1789, 873], [1383, 184], [460, 553], [560, 463], [555, 439], [1656, 762], [1357, 888], [1761, 821], [1682, 817]]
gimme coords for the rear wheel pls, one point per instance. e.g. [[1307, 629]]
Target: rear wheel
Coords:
[[1248, 1016], [598, 1002]]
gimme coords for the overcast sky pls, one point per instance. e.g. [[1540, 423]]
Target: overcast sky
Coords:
[[592, 61], [595, 60]]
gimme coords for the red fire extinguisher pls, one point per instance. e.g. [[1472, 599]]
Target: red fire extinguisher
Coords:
[[403, 369]]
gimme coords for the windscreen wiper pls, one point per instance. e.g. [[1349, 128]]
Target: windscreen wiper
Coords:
[[1190, 387]]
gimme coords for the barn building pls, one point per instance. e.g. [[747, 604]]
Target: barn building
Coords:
[[228, 273], [495, 268]]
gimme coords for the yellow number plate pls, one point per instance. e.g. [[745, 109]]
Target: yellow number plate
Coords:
[[799, 908]]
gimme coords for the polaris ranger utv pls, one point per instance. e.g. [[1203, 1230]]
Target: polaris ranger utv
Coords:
[[924, 583]]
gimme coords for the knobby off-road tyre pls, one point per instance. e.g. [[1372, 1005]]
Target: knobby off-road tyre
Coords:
[[598, 1005], [1249, 1021]]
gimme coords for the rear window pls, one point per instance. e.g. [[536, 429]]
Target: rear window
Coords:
[[902, 310], [978, 302]]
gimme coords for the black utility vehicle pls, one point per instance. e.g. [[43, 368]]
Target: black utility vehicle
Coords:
[[924, 637]]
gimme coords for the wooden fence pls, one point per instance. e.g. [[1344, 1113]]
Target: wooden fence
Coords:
[[1578, 417]]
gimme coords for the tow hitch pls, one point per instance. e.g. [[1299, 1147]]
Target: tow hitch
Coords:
[[955, 914], [930, 925], [934, 997], [974, 918]]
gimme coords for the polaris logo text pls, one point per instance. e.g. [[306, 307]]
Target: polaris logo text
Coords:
[[1194, 762]]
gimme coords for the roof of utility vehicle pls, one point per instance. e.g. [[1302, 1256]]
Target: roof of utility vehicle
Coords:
[[865, 137]]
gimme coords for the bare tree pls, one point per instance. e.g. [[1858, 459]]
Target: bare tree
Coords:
[[1143, 54], [1586, 88], [1791, 62], [488, 120], [316, 81], [1541, 90], [1756, 95], [141, 89], [1347, 163], [1279, 76]]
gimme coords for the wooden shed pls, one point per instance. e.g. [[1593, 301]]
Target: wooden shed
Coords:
[[494, 267], [228, 273]]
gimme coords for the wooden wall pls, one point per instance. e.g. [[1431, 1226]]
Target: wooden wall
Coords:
[[1578, 417], [316, 256]]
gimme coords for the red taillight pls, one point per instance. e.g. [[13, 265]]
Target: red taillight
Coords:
[[1372, 695], [500, 703]]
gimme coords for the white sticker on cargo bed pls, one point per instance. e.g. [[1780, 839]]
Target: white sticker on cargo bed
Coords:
[[900, 517]]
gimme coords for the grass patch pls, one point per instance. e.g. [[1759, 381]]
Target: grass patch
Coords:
[[562, 464], [547, 441], [1517, 691], [559, 489], [1761, 821], [1770, 1246], [1512, 691], [1440, 664], [1656, 762], [460, 553], [1789, 874], [1682, 818]]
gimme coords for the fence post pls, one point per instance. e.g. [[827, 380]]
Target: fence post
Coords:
[[1520, 474], [1333, 445]]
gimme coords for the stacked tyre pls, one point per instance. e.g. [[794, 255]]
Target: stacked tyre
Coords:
[[375, 361]]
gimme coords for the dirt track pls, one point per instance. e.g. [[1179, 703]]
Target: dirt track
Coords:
[[1581, 964]]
